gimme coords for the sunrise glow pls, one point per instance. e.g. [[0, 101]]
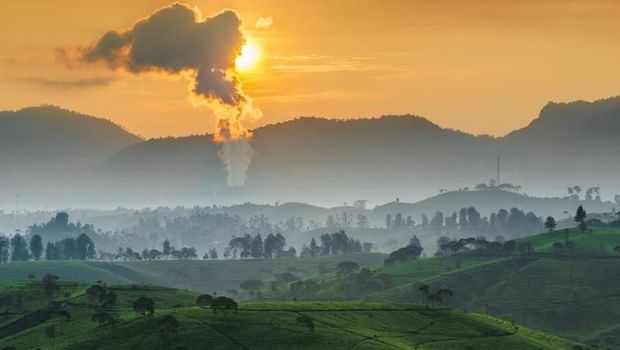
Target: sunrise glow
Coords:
[[249, 57]]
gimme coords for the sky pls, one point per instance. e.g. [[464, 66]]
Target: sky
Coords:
[[484, 67]]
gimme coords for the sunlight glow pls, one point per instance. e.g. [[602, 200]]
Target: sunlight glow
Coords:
[[248, 57]]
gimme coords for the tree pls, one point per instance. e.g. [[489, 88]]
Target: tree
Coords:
[[224, 304], [473, 219], [347, 267], [96, 292], [362, 221], [49, 284], [144, 306], [204, 300], [437, 222], [36, 246], [19, 249], [388, 221], [404, 254], [463, 224], [256, 249], [550, 223], [580, 217], [213, 253], [167, 249], [168, 326], [314, 248], [84, 247], [4, 249], [398, 220], [424, 223]]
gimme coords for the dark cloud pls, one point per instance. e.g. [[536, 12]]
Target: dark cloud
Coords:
[[176, 39], [70, 83]]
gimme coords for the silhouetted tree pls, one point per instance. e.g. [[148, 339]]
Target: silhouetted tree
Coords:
[[347, 267], [362, 221], [36, 246], [19, 248], [223, 304], [166, 249], [213, 253], [473, 219], [4, 249], [50, 284], [168, 325], [550, 223], [437, 222], [84, 247], [204, 300], [256, 249], [580, 217], [144, 306]]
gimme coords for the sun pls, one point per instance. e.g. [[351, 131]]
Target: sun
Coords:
[[249, 56]]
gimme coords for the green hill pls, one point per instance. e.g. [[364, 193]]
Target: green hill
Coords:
[[571, 291], [197, 275], [274, 325]]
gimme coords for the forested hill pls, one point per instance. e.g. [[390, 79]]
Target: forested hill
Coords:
[[311, 160]]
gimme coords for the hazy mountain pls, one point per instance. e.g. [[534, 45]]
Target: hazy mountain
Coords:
[[310, 160], [45, 149], [320, 161]]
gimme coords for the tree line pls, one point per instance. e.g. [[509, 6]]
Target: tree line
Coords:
[[18, 248], [333, 244], [469, 221]]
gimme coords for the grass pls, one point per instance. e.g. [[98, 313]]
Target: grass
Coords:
[[572, 293], [197, 275], [272, 325]]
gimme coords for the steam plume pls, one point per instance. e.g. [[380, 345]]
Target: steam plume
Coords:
[[176, 40]]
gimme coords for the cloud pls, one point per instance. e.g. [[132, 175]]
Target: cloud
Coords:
[[69, 83], [177, 39], [264, 23]]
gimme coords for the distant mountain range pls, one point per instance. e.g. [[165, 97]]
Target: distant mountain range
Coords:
[[57, 158]]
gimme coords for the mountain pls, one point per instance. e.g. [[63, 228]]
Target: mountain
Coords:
[[575, 141], [314, 160], [309, 160], [46, 148]]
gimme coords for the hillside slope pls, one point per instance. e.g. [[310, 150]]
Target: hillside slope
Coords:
[[328, 162], [570, 291], [47, 151], [257, 325], [312, 160]]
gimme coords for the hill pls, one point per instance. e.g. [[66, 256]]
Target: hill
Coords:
[[44, 150], [275, 325], [568, 289], [489, 201], [196, 275], [311, 160], [328, 162]]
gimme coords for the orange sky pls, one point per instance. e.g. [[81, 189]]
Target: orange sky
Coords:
[[478, 66]]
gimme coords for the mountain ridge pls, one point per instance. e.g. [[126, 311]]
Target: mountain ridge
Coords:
[[327, 161]]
